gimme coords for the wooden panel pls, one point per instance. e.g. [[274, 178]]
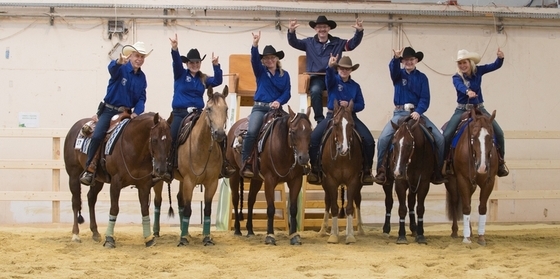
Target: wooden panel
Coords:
[[31, 164], [532, 134], [67, 196], [240, 64], [259, 217], [32, 133]]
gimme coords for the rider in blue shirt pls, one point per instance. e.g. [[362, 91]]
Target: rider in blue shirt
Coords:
[[342, 88], [318, 50], [411, 98], [273, 90], [468, 86], [126, 91]]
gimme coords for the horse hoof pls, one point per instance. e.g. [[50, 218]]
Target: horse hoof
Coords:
[[454, 235], [76, 238], [151, 242], [402, 240], [333, 239], [208, 241], [156, 234], [109, 242], [350, 239], [96, 237], [386, 235], [361, 232], [183, 242], [481, 241], [420, 239], [467, 240], [249, 235], [270, 240], [296, 240], [323, 231], [237, 233]]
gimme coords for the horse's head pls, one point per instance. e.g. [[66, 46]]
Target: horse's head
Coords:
[[216, 113], [160, 144], [343, 127], [403, 146], [482, 140], [299, 135]]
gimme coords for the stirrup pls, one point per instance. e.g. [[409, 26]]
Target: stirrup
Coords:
[[247, 171], [314, 178], [86, 178], [503, 170]]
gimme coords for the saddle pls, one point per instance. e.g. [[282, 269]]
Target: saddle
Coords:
[[186, 126], [89, 127]]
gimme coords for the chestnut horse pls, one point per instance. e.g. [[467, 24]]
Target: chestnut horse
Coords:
[[200, 161], [139, 154], [411, 162], [475, 162], [282, 159], [341, 161]]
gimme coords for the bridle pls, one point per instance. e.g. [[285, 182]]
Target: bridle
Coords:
[[336, 152], [291, 140]]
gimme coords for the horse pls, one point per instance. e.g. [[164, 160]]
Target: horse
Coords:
[[411, 162], [475, 162], [200, 160], [284, 155], [139, 154], [341, 161]]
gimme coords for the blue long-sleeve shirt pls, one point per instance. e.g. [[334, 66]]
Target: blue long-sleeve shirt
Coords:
[[270, 87], [126, 88], [343, 91], [474, 82], [188, 90], [318, 54], [410, 87]]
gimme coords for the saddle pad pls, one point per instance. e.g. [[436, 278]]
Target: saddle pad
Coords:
[[83, 143], [460, 131], [115, 135]]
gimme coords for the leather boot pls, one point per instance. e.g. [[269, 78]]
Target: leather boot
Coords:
[[503, 170], [227, 168], [438, 178], [87, 176], [314, 176], [380, 177], [367, 177], [247, 170]]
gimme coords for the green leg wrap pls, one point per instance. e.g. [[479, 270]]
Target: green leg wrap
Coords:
[[185, 227], [206, 226], [111, 226], [156, 219], [146, 226]]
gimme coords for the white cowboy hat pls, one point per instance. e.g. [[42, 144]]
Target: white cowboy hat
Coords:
[[465, 54], [137, 47]]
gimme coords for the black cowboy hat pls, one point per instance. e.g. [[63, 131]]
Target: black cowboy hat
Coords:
[[409, 52], [270, 50], [192, 56], [323, 20]]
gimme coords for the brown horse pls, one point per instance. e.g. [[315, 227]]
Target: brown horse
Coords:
[[411, 162], [282, 159], [139, 154], [341, 161], [200, 160], [475, 162]]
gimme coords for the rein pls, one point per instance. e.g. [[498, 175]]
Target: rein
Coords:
[[290, 144]]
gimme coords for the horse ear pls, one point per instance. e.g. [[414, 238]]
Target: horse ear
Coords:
[[225, 91], [156, 118], [308, 111], [170, 119], [292, 113], [493, 116], [210, 92]]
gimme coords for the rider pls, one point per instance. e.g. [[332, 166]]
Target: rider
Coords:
[[188, 92], [468, 84], [343, 88], [273, 90], [126, 90], [317, 51], [411, 98]]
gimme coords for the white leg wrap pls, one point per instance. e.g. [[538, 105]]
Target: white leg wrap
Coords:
[[466, 225], [481, 224], [334, 227], [349, 226]]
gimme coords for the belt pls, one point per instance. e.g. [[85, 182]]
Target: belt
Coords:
[[469, 106], [188, 110], [262, 104], [405, 107], [120, 109]]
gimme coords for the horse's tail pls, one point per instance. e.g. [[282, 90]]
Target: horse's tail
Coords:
[[342, 212], [453, 202], [170, 213], [241, 190]]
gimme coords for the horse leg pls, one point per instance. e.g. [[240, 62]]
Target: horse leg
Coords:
[[420, 210], [482, 210], [254, 188], [115, 192], [452, 204], [411, 213], [351, 193], [326, 215], [187, 212], [270, 210], [181, 204], [144, 198], [158, 188], [209, 193], [466, 194], [388, 189], [331, 193], [92, 200], [234, 185], [401, 194], [295, 187], [76, 190], [358, 201]]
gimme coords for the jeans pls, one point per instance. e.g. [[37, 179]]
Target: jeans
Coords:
[[178, 116], [388, 132], [101, 127], [456, 119], [316, 87], [368, 146], [256, 119]]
